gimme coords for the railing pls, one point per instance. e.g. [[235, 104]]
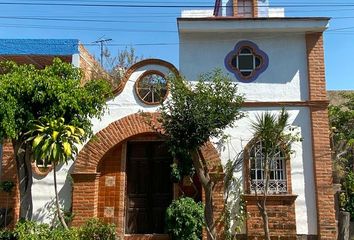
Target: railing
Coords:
[[274, 186]]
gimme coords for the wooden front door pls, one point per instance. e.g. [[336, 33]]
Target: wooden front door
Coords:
[[149, 188]]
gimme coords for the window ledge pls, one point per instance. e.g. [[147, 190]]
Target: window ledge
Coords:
[[273, 198]]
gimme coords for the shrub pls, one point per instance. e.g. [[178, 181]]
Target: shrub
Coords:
[[184, 219], [94, 229], [29, 230], [7, 235], [62, 234]]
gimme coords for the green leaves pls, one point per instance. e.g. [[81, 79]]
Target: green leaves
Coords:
[[27, 93], [53, 140], [275, 133], [184, 219], [341, 120], [195, 113]]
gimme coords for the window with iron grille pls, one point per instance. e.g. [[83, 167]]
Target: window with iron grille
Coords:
[[277, 173]]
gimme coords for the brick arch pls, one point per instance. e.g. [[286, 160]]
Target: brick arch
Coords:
[[90, 156], [124, 128], [91, 197], [146, 62]]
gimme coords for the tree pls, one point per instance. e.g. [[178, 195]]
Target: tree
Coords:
[[116, 66], [275, 135], [341, 120], [193, 115], [27, 94], [54, 142]]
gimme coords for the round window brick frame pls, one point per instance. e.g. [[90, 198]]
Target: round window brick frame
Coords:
[[37, 170], [146, 73], [256, 51]]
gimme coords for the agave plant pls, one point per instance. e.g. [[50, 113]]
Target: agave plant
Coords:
[[54, 142]]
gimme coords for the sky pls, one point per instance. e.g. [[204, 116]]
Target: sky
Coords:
[[152, 31]]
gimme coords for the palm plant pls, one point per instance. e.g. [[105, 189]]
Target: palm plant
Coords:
[[54, 142], [275, 134]]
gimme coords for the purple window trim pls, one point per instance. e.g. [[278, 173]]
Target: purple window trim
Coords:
[[256, 51]]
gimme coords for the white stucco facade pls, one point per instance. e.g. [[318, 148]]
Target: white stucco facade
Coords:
[[206, 43], [203, 47]]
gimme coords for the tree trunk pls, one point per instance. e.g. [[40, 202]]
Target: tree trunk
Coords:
[[265, 218], [24, 173], [60, 216], [208, 186], [209, 212]]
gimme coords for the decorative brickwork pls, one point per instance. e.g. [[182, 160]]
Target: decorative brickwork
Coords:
[[105, 156], [320, 138], [9, 173], [141, 64]]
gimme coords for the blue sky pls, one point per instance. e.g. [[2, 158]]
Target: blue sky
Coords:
[[153, 31]]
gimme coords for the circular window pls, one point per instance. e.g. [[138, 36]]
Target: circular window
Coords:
[[152, 87]]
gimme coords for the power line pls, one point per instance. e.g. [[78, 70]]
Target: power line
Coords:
[[79, 20], [87, 28], [166, 5]]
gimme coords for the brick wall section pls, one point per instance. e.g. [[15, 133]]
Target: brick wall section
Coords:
[[90, 67], [39, 61], [9, 173], [112, 195], [85, 197], [320, 138], [281, 212], [254, 6], [316, 69], [103, 157], [323, 174]]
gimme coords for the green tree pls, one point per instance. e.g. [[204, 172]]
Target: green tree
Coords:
[[54, 142], [341, 120], [27, 94], [275, 134], [193, 115]]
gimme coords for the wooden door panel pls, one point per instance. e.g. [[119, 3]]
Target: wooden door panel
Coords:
[[149, 188]]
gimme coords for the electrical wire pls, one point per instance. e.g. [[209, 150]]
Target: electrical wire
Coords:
[[168, 6]]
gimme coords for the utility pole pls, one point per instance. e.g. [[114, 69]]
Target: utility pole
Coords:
[[101, 42]]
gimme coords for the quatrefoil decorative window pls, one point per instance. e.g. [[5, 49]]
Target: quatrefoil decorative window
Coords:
[[152, 87], [246, 61]]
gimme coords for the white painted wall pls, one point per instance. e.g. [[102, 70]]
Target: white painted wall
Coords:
[[301, 161], [285, 79], [127, 103], [122, 105]]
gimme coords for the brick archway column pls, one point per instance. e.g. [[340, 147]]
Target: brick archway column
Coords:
[[326, 223], [86, 175]]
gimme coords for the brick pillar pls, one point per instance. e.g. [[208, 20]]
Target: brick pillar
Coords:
[[9, 173], [326, 223], [85, 197], [255, 8], [218, 204]]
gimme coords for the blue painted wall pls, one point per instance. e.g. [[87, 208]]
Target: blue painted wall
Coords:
[[58, 47]]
